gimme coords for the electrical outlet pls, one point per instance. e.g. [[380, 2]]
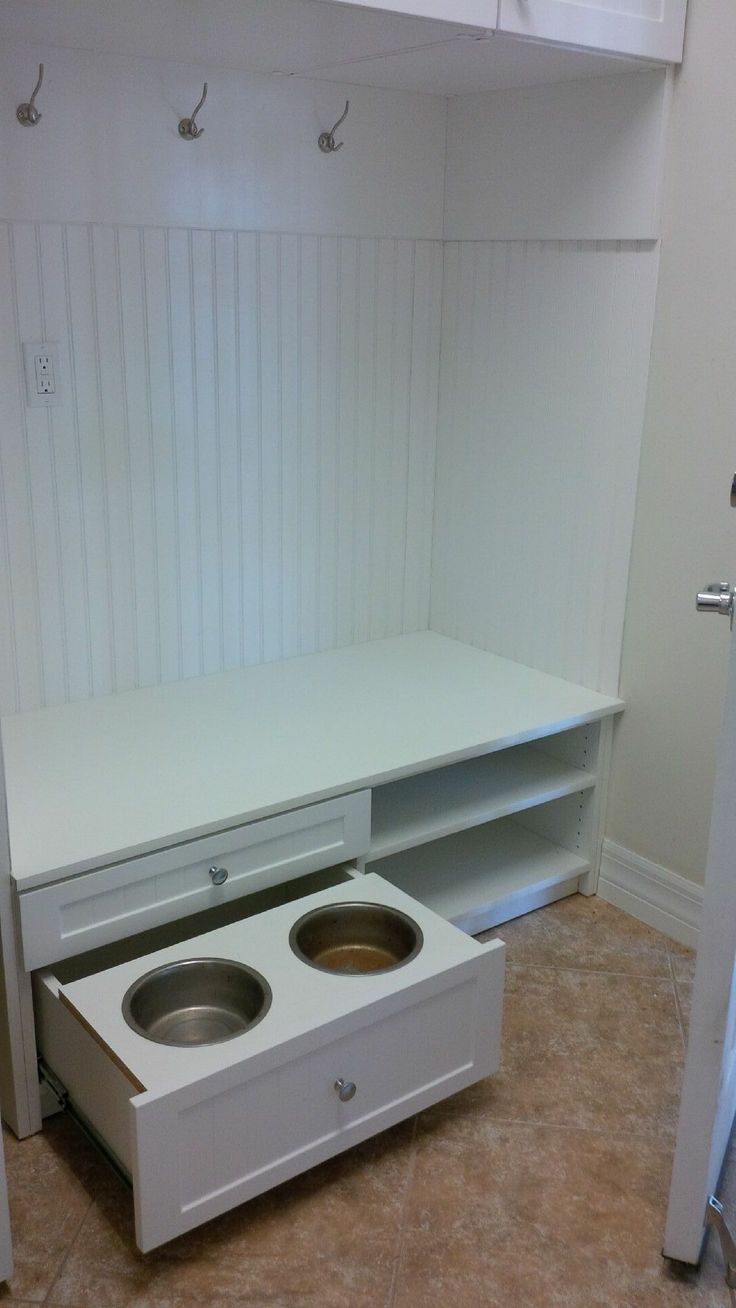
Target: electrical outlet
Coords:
[[43, 374]]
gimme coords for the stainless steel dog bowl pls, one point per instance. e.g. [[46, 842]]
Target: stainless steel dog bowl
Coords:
[[356, 939], [198, 1001]]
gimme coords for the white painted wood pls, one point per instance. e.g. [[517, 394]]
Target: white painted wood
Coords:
[[190, 508], [480, 12], [654, 894], [6, 1248], [487, 875], [592, 161], [409, 813], [708, 1101], [69, 917], [652, 29], [470, 64], [123, 772], [536, 479], [19, 1099], [219, 1124], [260, 169], [345, 43]]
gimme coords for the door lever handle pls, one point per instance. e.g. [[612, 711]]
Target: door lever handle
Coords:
[[718, 597]]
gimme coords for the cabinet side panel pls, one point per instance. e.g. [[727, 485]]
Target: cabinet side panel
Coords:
[[545, 361]]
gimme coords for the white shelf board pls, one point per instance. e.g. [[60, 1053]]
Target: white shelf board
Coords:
[[101, 780], [487, 875], [436, 804]]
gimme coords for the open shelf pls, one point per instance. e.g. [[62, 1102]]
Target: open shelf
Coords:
[[453, 799], [481, 877]]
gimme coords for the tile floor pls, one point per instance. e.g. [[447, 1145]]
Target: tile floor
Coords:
[[540, 1187]]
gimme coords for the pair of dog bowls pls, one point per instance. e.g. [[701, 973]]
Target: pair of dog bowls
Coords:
[[204, 1001]]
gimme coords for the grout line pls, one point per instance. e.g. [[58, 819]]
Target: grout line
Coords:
[[589, 971], [391, 1299], [65, 1257], [678, 1006]]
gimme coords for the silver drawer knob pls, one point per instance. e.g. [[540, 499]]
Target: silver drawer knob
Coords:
[[218, 875], [345, 1089]]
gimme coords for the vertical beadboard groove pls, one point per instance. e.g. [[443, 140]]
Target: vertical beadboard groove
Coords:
[[153, 487], [80, 494], [238, 471], [545, 349]]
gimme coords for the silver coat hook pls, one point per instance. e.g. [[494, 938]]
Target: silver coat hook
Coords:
[[188, 127], [326, 141], [28, 114]]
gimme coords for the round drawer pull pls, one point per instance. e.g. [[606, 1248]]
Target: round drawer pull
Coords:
[[345, 1089], [218, 875]]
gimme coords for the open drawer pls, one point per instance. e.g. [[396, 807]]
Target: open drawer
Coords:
[[336, 1058]]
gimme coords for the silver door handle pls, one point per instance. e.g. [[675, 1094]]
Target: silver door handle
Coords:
[[718, 597]]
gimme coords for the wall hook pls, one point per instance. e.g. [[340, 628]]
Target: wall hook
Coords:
[[326, 141], [188, 127], [28, 114]]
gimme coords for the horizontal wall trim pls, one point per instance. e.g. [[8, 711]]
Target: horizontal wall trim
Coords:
[[654, 894]]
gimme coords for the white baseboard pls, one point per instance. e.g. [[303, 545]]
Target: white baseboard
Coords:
[[653, 894]]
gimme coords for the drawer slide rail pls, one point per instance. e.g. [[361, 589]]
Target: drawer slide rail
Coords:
[[60, 1093]]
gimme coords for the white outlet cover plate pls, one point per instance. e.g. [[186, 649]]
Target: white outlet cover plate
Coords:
[[31, 350]]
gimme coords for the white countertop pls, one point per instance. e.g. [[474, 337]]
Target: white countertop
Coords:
[[105, 779]]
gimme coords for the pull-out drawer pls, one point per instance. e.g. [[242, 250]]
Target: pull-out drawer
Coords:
[[336, 1058], [69, 917]]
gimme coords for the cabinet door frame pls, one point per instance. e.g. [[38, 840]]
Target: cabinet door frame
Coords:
[[587, 24]]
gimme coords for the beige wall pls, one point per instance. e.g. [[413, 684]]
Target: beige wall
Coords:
[[674, 661]]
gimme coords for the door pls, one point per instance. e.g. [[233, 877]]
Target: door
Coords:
[[650, 29], [708, 1102], [6, 1261]]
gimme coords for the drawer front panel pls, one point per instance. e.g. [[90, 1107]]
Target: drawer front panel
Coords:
[[197, 1154], [95, 908]]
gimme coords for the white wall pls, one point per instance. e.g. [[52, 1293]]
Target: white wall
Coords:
[[575, 161], [108, 149], [242, 468], [674, 661], [545, 347]]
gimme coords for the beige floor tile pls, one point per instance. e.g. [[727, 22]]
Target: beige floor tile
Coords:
[[329, 1237], [48, 1200], [602, 1052], [585, 934], [683, 961], [503, 1215]]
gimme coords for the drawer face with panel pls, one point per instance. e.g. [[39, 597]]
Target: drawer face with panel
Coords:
[[335, 1059], [71, 916]]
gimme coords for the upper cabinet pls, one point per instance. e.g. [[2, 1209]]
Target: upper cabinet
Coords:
[[649, 29], [476, 13], [644, 29]]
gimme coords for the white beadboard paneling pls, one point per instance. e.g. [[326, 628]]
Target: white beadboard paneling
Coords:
[[545, 349], [592, 159], [241, 469]]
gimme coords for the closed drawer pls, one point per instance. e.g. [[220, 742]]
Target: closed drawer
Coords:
[[95, 908], [202, 1130]]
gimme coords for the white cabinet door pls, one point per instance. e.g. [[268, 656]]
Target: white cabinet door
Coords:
[[651, 29], [477, 13], [6, 1259]]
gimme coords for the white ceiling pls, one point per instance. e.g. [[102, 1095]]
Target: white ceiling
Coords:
[[302, 38]]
